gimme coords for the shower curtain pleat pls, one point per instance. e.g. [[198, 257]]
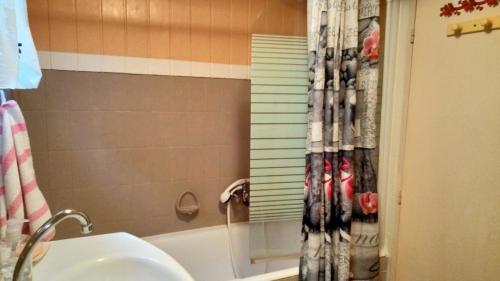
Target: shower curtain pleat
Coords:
[[340, 222]]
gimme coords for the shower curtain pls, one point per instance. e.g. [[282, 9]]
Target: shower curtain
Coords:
[[340, 222]]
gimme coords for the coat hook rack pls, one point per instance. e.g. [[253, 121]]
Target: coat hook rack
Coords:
[[468, 6], [486, 24]]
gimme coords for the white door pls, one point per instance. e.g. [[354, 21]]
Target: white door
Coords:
[[450, 212]]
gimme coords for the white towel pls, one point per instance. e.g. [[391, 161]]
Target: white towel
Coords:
[[20, 196]]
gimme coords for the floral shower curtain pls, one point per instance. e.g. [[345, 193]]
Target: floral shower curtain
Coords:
[[340, 223]]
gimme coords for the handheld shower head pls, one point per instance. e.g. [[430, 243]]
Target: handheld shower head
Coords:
[[231, 189]]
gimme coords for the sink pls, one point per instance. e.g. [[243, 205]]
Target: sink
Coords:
[[109, 257]]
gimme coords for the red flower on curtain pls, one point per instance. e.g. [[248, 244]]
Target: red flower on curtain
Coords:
[[368, 202], [327, 179], [371, 46], [346, 178]]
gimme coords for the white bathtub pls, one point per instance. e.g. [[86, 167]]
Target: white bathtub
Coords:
[[204, 252]]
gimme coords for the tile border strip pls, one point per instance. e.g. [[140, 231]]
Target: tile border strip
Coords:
[[135, 65]]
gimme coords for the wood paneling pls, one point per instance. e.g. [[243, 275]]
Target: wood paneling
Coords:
[[113, 27], [38, 11], [89, 27], [180, 30], [200, 30], [239, 38], [159, 28], [219, 32], [62, 23], [137, 28]]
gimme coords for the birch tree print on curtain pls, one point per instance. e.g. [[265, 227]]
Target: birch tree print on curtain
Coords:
[[340, 224]]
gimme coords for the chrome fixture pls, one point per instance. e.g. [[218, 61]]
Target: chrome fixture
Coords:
[[86, 228], [241, 184]]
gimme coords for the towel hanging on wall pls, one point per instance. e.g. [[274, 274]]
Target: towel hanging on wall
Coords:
[[19, 66], [20, 196]]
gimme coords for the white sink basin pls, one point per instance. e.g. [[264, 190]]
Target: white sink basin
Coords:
[[109, 257]]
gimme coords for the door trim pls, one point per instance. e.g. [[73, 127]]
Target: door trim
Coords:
[[396, 88]]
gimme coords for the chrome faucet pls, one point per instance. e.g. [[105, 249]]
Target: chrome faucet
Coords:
[[86, 228]]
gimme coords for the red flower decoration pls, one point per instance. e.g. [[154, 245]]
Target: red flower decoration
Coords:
[[371, 46], [447, 10], [491, 3], [468, 5], [368, 202]]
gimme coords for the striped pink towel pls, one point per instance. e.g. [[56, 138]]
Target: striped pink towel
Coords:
[[18, 187]]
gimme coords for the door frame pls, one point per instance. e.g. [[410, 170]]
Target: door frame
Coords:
[[398, 48]]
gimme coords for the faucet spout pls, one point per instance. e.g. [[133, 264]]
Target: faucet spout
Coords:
[[86, 228]]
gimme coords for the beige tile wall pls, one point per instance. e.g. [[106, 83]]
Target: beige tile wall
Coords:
[[123, 147]]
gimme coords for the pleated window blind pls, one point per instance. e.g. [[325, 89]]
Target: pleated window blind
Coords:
[[279, 80]]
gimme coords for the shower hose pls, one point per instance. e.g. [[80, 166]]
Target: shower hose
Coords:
[[234, 264]]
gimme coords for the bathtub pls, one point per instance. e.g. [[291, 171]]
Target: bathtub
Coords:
[[204, 252]]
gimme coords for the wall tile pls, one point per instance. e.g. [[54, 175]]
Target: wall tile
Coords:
[[59, 87], [235, 127], [213, 133], [60, 173], [91, 168], [102, 137], [59, 130], [214, 90], [88, 130], [104, 204], [125, 129], [236, 96], [204, 161], [37, 130], [234, 161], [88, 95], [141, 172], [169, 129], [40, 164], [159, 165], [196, 124], [179, 163], [60, 199], [165, 96], [127, 92], [32, 99]]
